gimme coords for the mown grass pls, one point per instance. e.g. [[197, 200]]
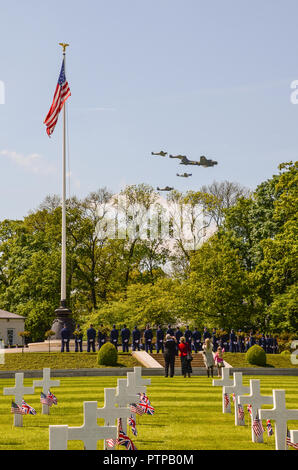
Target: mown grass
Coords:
[[58, 360], [273, 360], [188, 414]]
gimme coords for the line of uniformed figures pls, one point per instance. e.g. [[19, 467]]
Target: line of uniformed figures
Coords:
[[230, 342]]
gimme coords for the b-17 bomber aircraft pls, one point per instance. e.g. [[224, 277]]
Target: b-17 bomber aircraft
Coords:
[[184, 175], [161, 153], [203, 161], [167, 188]]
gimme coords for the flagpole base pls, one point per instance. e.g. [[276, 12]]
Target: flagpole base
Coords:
[[63, 317]]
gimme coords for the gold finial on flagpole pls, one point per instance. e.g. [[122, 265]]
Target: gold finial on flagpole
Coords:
[[64, 45]]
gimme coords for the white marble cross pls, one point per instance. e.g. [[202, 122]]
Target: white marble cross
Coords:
[[46, 384], [281, 415], [237, 389], [89, 432], [256, 400], [18, 391], [138, 377], [110, 412], [224, 381], [126, 394]]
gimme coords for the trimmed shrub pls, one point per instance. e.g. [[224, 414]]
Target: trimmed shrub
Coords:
[[107, 355], [285, 353], [256, 356]]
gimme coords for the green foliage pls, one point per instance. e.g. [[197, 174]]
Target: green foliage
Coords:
[[256, 356], [107, 355]]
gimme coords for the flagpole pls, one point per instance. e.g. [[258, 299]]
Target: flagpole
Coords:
[[63, 238], [63, 314]]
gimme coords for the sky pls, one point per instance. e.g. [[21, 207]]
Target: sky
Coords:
[[184, 76]]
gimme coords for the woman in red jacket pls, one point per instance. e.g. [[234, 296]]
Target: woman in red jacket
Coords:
[[185, 357]]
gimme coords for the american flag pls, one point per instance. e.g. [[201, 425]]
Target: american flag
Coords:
[[45, 400], [28, 409], [123, 439], [16, 409], [113, 442], [134, 408], [269, 428], [132, 424], [226, 400], [240, 413], [149, 409], [52, 397], [249, 409], [257, 426], [62, 92], [289, 442]]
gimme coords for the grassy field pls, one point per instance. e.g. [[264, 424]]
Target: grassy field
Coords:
[[188, 414], [273, 360], [58, 360]]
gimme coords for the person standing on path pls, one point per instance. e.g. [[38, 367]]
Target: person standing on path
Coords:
[[170, 355], [208, 356], [185, 357]]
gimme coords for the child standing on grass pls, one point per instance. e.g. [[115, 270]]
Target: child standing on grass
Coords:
[[218, 358]]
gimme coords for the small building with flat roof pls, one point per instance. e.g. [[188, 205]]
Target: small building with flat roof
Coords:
[[11, 325]]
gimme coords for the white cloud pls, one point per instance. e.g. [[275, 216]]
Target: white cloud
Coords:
[[34, 163]]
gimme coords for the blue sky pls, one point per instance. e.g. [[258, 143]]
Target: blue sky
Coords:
[[192, 77]]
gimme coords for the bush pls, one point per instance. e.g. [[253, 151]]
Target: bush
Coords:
[[107, 355], [256, 356], [285, 353]]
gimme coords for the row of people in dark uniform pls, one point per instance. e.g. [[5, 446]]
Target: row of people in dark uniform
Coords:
[[230, 342]]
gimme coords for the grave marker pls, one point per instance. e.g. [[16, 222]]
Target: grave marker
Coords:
[[18, 391], [256, 400], [238, 389], [46, 384], [281, 415], [89, 432], [224, 381]]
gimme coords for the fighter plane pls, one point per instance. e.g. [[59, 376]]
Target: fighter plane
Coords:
[[184, 175], [177, 156], [167, 188], [161, 153]]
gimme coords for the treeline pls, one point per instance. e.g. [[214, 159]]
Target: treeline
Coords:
[[219, 257]]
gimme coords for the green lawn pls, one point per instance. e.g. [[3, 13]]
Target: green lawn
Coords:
[[58, 360], [188, 414], [273, 360]]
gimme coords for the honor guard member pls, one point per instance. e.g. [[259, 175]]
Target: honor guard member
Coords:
[[263, 342], [275, 345], [206, 334], [170, 331], [252, 340], [136, 336], [91, 335], [270, 344], [125, 335], [148, 336], [177, 335], [214, 339], [101, 337], [78, 334], [114, 336], [159, 339], [233, 341], [240, 342], [65, 337], [196, 337], [188, 335], [225, 341]]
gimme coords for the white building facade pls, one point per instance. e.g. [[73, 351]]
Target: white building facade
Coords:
[[11, 325]]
